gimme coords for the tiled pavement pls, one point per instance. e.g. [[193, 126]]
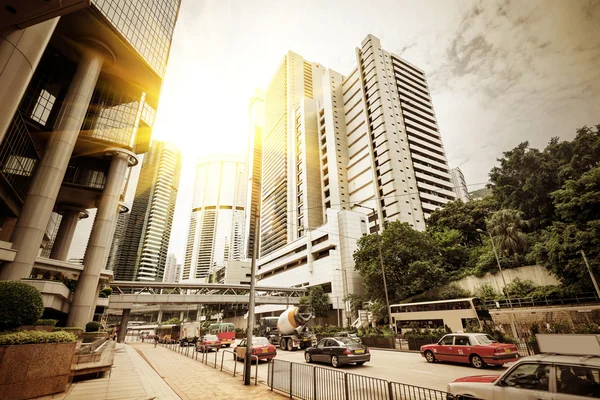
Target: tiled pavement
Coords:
[[130, 378], [194, 380]]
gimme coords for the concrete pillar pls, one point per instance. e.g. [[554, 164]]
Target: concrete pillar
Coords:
[[41, 198], [66, 231], [103, 231], [20, 54], [160, 316], [181, 315], [123, 326]]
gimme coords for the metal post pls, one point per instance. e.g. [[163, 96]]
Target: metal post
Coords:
[[512, 314], [251, 300], [291, 379], [314, 383], [338, 310], [591, 274]]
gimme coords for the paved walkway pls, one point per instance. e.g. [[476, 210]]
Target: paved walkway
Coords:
[[130, 378], [191, 379]]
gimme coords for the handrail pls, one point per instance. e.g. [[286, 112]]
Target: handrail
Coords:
[[578, 298]]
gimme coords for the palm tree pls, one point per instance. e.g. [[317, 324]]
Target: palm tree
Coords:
[[506, 228]]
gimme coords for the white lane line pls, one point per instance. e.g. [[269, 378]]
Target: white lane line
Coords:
[[423, 372]]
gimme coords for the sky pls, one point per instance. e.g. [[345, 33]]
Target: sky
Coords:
[[499, 72]]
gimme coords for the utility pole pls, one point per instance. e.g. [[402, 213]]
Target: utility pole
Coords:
[[512, 313], [385, 290], [251, 300], [591, 274]]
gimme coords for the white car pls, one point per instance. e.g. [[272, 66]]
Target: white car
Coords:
[[541, 377]]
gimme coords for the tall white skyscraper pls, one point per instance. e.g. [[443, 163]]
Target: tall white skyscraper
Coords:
[[172, 270], [367, 139], [257, 123], [460, 185], [217, 221]]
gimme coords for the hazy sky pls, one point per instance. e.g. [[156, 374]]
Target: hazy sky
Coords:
[[500, 72]]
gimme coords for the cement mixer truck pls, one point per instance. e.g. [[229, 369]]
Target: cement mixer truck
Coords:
[[290, 330]]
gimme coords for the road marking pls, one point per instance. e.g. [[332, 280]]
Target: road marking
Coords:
[[423, 372]]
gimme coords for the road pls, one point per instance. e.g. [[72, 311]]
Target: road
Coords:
[[408, 368]]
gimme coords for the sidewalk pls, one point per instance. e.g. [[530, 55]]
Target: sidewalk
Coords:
[[130, 378], [191, 379]]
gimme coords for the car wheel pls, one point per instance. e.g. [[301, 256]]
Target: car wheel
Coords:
[[290, 345], [429, 356], [335, 362], [307, 357], [360, 363], [282, 344], [477, 362]]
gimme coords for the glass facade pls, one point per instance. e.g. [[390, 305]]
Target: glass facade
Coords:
[[146, 24]]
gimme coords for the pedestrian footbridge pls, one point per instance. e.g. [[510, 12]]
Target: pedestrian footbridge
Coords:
[[127, 295]]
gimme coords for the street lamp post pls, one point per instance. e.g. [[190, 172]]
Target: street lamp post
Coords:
[[251, 300], [512, 315], [387, 300]]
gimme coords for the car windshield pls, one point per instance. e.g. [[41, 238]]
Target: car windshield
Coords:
[[260, 341], [347, 341], [485, 339], [211, 338]]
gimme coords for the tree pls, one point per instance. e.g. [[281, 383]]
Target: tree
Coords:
[[317, 300], [578, 201], [411, 259], [505, 227]]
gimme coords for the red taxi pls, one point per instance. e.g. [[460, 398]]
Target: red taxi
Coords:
[[477, 349], [261, 348], [208, 343]]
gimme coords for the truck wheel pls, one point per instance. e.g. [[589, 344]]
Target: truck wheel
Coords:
[[290, 345], [282, 344]]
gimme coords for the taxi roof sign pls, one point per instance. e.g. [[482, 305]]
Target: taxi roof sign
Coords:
[[577, 345]]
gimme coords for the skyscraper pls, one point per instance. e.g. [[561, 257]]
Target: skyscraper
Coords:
[[142, 249], [217, 221], [460, 185], [172, 269], [79, 86], [336, 147]]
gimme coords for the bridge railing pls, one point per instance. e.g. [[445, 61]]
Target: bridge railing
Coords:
[[580, 298]]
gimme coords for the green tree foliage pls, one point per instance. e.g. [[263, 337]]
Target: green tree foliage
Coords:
[[453, 292], [411, 259], [487, 292], [92, 326], [22, 304], [317, 300], [519, 288], [172, 321], [506, 227]]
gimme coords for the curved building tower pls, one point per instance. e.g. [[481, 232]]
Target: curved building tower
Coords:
[[216, 231]]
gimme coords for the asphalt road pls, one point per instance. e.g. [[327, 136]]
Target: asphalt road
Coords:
[[408, 368]]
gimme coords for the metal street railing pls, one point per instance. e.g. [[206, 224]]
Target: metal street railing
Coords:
[[309, 382], [579, 298]]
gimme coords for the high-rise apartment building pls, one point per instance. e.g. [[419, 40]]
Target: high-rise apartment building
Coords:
[[172, 269], [254, 163], [142, 249], [79, 86], [460, 185], [362, 143], [217, 221]]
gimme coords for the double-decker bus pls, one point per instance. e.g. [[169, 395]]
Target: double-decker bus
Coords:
[[167, 332], [457, 314], [224, 331]]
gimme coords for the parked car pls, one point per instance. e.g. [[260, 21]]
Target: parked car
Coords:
[[477, 349], [208, 343], [350, 335], [338, 351], [261, 348], [556, 377]]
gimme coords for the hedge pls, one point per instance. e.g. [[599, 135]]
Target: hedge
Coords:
[[52, 322], [36, 337], [67, 329], [92, 326], [21, 305]]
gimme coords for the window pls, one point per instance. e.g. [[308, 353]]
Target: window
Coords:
[[322, 343], [462, 341], [447, 340], [578, 381], [43, 106], [529, 376]]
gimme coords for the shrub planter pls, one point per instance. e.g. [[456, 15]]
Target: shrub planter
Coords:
[[47, 328], [378, 341], [34, 370], [416, 343]]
